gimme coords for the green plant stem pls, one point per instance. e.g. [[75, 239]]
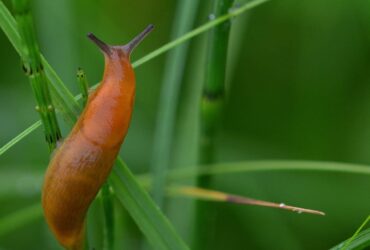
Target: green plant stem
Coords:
[[20, 136], [34, 69], [348, 242], [83, 85], [59, 92], [360, 242], [214, 85], [108, 229], [210, 116], [168, 101], [143, 210]]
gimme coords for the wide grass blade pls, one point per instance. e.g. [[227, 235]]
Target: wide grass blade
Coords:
[[141, 207], [361, 241], [168, 101]]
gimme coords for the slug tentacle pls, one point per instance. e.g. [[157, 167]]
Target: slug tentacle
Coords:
[[134, 42], [81, 165], [102, 45]]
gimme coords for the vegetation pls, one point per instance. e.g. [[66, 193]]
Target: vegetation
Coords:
[[241, 83]]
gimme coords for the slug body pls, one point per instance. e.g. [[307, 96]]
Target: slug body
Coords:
[[81, 165]]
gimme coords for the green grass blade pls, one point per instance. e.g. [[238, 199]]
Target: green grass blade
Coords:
[[143, 210], [262, 166], [360, 241], [106, 199], [168, 101], [20, 218], [9, 26], [20, 136], [199, 30], [58, 90]]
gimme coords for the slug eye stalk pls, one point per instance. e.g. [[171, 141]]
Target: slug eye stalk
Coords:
[[128, 48]]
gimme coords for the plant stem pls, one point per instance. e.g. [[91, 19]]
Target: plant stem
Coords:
[[83, 85], [345, 246], [210, 114], [108, 229], [166, 115], [34, 69], [214, 84]]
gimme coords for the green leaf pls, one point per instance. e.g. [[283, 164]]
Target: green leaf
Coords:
[[261, 166], [143, 210], [361, 241], [168, 101]]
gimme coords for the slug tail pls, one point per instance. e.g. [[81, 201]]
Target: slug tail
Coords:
[[77, 243], [134, 42]]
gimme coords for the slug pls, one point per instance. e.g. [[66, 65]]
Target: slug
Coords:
[[82, 163]]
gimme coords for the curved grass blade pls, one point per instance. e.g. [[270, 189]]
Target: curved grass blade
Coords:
[[143, 210], [261, 166], [20, 136], [359, 240], [270, 165]]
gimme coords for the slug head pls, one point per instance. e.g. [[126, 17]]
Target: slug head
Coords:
[[110, 50]]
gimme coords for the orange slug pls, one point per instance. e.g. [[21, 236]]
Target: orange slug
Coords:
[[81, 165]]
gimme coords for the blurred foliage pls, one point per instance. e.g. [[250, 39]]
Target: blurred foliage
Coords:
[[298, 88]]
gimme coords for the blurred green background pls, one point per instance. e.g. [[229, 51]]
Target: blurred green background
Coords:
[[298, 88]]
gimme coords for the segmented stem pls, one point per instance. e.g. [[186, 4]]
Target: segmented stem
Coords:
[[210, 112], [34, 69], [83, 85]]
